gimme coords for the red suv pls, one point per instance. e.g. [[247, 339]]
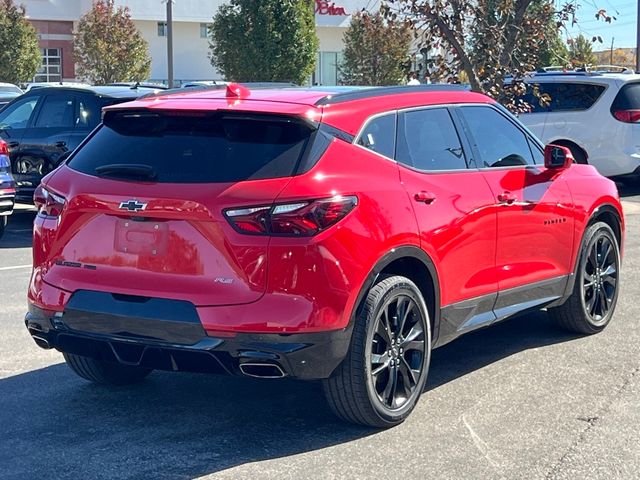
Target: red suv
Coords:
[[334, 234]]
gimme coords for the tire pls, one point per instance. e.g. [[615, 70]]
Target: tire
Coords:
[[104, 373], [595, 293], [3, 224], [362, 389], [577, 152]]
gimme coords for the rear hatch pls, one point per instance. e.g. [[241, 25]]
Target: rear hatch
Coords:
[[144, 200]]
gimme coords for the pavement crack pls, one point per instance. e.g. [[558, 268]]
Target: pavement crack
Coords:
[[482, 446], [592, 422]]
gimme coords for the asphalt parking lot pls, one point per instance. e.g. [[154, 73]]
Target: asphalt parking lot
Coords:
[[518, 400]]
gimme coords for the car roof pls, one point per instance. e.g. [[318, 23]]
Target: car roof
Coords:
[[316, 96], [105, 91], [343, 107], [583, 77]]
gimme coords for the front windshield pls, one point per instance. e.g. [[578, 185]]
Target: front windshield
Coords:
[[10, 89]]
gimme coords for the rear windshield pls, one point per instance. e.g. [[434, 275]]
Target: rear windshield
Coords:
[[196, 148], [628, 98]]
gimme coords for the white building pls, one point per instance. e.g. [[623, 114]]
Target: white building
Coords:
[[55, 21]]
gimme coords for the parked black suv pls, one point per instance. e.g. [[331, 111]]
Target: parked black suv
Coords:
[[44, 124]]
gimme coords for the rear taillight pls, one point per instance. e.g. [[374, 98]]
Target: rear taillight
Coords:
[[48, 203], [627, 116], [5, 164], [299, 219]]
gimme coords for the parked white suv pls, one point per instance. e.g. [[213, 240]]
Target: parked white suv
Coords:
[[596, 115]]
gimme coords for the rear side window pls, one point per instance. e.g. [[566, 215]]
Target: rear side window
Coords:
[[566, 97], [195, 148], [427, 140], [56, 112], [379, 135], [628, 98]]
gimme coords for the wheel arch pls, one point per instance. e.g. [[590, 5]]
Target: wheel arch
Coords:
[[565, 142], [414, 263], [608, 214]]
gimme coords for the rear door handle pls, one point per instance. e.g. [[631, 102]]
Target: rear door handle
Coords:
[[425, 197], [507, 197]]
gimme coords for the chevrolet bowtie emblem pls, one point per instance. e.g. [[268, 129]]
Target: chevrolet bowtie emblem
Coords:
[[133, 205]]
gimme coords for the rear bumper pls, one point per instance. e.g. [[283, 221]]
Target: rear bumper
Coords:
[[303, 356]]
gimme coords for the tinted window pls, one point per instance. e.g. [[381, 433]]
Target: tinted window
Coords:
[[499, 142], [380, 135], [628, 98], [56, 112], [18, 114], [197, 149], [87, 113], [427, 140], [562, 97], [538, 154]]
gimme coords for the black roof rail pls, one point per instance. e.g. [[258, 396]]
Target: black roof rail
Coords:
[[574, 73], [359, 93]]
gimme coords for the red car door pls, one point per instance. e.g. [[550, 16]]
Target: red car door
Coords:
[[533, 204], [454, 209]]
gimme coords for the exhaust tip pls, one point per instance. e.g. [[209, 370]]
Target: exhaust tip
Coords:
[[262, 370], [41, 342]]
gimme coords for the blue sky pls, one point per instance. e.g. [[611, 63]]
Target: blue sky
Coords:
[[622, 30]]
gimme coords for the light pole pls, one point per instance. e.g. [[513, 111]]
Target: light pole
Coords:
[[638, 40], [170, 42]]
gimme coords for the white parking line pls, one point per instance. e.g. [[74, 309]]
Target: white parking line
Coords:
[[16, 267]]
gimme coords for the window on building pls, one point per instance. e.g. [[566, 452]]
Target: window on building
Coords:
[[204, 30], [327, 68], [162, 29], [51, 68]]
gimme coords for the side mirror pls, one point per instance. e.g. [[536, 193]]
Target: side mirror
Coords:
[[557, 157], [63, 157]]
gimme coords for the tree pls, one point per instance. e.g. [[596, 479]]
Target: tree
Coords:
[[581, 52], [264, 41], [19, 55], [374, 50], [108, 47], [489, 40], [550, 47]]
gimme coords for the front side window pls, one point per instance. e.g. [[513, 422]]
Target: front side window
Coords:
[[498, 141], [18, 114], [379, 135], [428, 140], [56, 112]]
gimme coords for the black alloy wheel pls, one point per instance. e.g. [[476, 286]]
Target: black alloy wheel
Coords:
[[600, 278], [592, 302], [380, 381], [396, 351]]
